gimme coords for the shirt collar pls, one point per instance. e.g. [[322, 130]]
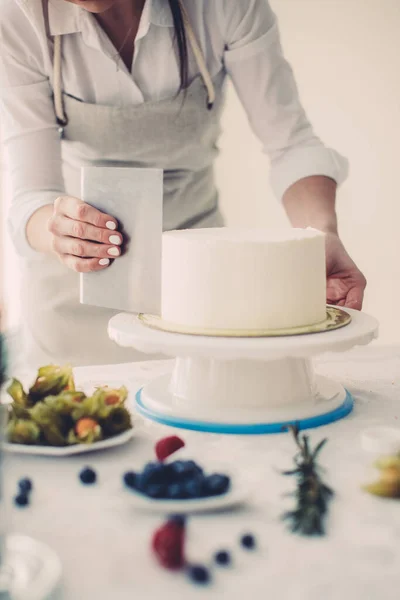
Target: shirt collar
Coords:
[[66, 18]]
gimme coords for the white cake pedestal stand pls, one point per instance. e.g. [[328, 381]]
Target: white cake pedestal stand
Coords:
[[243, 385]]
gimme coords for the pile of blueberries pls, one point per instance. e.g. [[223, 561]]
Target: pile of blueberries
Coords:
[[179, 480]]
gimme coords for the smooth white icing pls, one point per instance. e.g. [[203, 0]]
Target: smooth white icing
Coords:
[[227, 278]]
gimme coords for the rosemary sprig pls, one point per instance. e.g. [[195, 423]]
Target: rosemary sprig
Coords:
[[312, 495]]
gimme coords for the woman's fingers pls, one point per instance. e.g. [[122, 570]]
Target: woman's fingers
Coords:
[[84, 265], [355, 298], [84, 238], [84, 249], [61, 225], [77, 210]]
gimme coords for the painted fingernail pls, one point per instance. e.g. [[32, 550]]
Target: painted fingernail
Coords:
[[115, 239], [111, 225], [104, 262], [113, 251]]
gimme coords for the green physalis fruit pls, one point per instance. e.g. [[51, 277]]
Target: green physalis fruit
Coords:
[[66, 402], [101, 404], [17, 393], [16, 411], [87, 431], [51, 381], [20, 431], [54, 413], [50, 424], [388, 485], [118, 421]]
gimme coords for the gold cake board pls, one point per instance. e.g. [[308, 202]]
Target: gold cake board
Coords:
[[336, 318]]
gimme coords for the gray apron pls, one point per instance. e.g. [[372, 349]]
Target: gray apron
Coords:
[[179, 135]]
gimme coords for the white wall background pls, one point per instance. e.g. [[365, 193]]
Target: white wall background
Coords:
[[346, 56]]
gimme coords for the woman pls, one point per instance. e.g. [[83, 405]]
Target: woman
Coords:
[[96, 82]]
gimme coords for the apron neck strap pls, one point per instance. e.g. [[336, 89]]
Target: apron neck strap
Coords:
[[62, 119], [199, 56]]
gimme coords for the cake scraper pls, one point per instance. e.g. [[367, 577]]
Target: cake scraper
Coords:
[[132, 283]]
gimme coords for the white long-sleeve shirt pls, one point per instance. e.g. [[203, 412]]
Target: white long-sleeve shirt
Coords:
[[240, 36]]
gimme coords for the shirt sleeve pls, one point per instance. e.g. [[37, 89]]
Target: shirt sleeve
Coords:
[[267, 89], [27, 122]]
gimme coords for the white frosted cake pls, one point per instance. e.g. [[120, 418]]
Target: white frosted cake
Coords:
[[237, 279]]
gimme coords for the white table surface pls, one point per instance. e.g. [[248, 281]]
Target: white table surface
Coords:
[[104, 544]]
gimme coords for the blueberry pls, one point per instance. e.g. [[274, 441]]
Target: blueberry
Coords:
[[25, 485], [193, 468], [22, 499], [130, 479], [248, 541], [185, 469], [178, 519], [149, 469], [178, 467], [154, 473], [176, 491], [150, 466], [168, 474], [87, 476], [199, 574], [155, 490], [216, 485], [223, 558], [194, 487]]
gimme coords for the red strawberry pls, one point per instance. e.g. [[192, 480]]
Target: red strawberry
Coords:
[[168, 446], [168, 545]]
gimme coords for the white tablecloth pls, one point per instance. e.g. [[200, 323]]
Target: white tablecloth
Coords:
[[104, 544]]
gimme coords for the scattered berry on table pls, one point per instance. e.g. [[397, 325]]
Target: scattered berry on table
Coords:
[[199, 574], [25, 485], [223, 558], [248, 541], [168, 544], [130, 479], [87, 475], [168, 446], [22, 499], [178, 519]]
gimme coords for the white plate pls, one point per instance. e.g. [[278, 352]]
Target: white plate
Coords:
[[117, 440], [233, 498], [34, 569], [381, 440]]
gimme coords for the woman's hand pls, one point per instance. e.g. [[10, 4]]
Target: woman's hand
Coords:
[[83, 238], [345, 282]]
